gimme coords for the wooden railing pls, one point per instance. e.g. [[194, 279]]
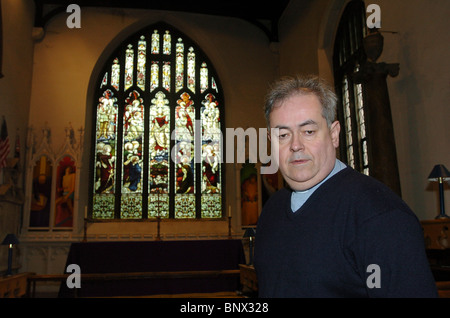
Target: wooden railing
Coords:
[[14, 286]]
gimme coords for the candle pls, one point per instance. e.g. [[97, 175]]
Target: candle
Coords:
[[229, 211]]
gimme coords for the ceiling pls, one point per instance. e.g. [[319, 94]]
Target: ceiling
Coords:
[[265, 15]]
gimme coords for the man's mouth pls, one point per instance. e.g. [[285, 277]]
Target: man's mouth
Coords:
[[299, 161]]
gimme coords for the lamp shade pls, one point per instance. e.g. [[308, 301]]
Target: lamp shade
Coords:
[[439, 171], [10, 239], [249, 232]]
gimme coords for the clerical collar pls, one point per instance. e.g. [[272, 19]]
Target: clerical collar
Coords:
[[298, 198]]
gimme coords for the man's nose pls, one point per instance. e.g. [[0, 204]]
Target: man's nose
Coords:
[[296, 143]]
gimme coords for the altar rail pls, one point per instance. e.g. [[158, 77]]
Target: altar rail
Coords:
[[34, 279]]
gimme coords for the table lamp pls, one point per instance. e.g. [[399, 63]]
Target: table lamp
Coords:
[[440, 174], [10, 240], [250, 233]]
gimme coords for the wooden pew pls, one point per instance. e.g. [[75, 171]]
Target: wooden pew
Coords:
[[14, 286]]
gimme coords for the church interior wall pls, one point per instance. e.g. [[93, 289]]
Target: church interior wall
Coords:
[[48, 82]]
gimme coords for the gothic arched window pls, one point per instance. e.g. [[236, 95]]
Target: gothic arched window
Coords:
[[157, 138], [348, 56]]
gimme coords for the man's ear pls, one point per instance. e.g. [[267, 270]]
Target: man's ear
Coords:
[[334, 132]]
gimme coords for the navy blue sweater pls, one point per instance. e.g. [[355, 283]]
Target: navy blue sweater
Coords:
[[352, 238]]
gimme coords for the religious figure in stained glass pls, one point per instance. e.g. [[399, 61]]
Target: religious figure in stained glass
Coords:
[[115, 74], [167, 45], [105, 115], [129, 65], [105, 169], [105, 146], [155, 42], [142, 52], [203, 78], [154, 75], [211, 156], [191, 69], [159, 152], [179, 75], [159, 126], [211, 164], [133, 140], [166, 76]]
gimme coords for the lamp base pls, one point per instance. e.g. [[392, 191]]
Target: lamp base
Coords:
[[442, 216]]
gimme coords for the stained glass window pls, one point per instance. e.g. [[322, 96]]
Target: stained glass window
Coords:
[[158, 137]]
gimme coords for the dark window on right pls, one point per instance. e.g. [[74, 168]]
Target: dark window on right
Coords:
[[347, 58], [367, 140]]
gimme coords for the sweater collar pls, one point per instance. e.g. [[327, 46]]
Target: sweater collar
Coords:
[[298, 198]]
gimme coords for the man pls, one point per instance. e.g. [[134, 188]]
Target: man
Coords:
[[334, 232]]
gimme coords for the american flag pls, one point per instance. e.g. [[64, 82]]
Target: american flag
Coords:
[[4, 143]]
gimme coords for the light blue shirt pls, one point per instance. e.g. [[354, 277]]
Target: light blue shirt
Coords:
[[298, 198]]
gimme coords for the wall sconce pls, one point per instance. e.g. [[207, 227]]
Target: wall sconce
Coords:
[[250, 233], [10, 240], [440, 174]]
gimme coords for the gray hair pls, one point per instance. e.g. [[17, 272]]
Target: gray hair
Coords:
[[302, 85]]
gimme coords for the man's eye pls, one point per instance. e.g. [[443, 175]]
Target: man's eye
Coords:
[[282, 136], [309, 132]]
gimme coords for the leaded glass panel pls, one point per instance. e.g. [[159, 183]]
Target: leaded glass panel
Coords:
[[105, 150], [179, 75], [159, 155], [191, 69], [104, 81], [129, 64], [167, 44], [155, 42], [166, 76], [360, 118], [211, 156], [133, 140], [154, 81], [214, 85], [184, 158], [115, 74], [142, 53], [348, 123], [203, 78]]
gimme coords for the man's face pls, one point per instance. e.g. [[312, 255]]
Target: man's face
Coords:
[[307, 147]]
